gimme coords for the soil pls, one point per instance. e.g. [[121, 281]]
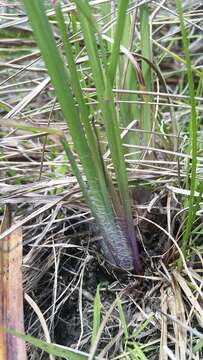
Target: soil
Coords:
[[63, 280]]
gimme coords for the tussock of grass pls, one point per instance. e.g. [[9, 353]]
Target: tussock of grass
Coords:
[[157, 89]]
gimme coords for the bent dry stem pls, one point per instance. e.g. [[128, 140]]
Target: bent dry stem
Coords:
[[110, 205]]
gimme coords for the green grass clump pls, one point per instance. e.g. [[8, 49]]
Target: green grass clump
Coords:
[[110, 205]]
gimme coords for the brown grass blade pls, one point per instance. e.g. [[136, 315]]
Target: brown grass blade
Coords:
[[11, 291], [164, 333], [191, 298], [179, 313]]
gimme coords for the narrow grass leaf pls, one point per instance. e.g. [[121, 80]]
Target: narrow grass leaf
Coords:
[[84, 8], [146, 68], [120, 24], [58, 74], [136, 353], [198, 347], [122, 317], [76, 170], [96, 315], [75, 83], [191, 173], [57, 350], [30, 128], [142, 326]]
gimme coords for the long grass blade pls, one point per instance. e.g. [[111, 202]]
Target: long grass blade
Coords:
[[75, 80], [192, 169], [120, 23], [122, 317], [57, 350], [146, 68]]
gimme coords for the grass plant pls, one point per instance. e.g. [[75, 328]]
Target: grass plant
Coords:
[[101, 143], [111, 208]]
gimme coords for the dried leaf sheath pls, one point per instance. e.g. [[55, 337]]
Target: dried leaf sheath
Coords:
[[11, 292]]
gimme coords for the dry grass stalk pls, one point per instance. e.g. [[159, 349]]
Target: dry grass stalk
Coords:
[[11, 291]]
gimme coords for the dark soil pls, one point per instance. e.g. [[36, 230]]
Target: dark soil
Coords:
[[81, 268]]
